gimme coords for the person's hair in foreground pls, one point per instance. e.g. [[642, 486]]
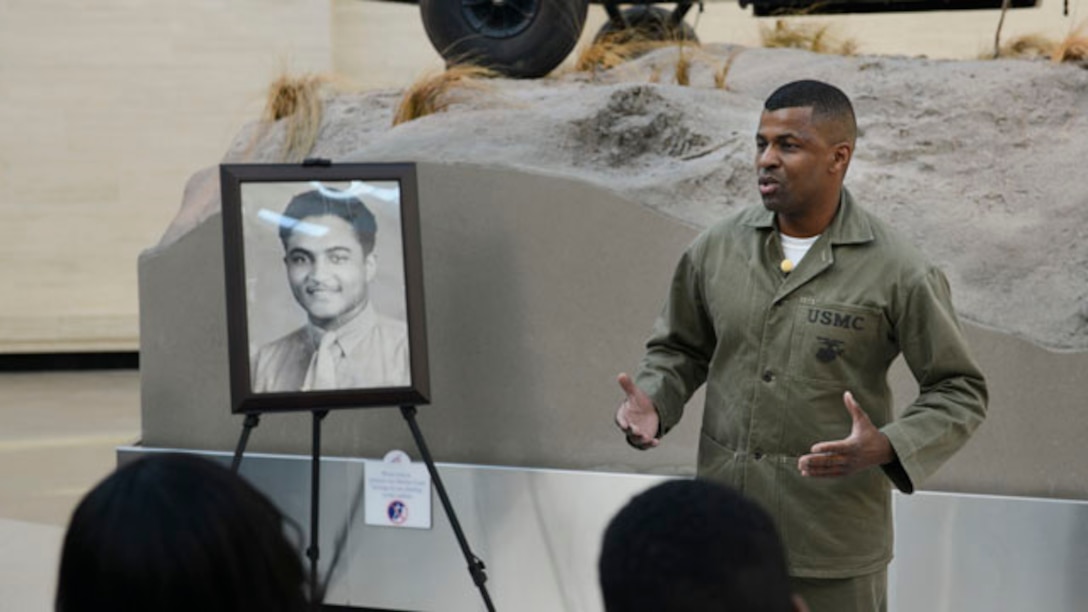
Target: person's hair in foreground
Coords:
[[178, 533], [693, 546]]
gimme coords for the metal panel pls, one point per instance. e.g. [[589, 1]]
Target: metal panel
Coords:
[[981, 553], [539, 530]]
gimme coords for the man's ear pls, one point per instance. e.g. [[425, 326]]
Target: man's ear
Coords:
[[370, 262], [799, 604], [840, 157]]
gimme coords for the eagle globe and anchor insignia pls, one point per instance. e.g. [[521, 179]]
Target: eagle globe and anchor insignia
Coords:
[[829, 349]]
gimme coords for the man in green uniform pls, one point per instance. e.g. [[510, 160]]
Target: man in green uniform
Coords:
[[792, 313]]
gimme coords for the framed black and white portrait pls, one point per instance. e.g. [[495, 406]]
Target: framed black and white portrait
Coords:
[[324, 286]]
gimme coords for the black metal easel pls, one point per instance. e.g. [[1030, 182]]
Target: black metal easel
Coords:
[[475, 565], [312, 550]]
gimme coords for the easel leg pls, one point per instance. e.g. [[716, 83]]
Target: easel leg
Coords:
[[313, 551], [252, 420], [475, 565]]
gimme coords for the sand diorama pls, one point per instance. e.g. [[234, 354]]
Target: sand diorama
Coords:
[[981, 163]]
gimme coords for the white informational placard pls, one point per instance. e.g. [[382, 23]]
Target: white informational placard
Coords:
[[398, 492]]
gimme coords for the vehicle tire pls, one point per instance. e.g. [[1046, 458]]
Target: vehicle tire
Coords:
[[649, 23], [518, 38]]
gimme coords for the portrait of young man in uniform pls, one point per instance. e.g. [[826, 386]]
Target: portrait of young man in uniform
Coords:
[[328, 239], [791, 313]]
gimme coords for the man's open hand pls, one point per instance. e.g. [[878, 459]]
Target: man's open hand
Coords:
[[865, 447], [637, 416]]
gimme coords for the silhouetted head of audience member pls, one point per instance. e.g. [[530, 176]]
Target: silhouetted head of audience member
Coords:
[[694, 546], [176, 532]]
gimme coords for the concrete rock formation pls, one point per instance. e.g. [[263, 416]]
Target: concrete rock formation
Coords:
[[979, 162], [523, 182]]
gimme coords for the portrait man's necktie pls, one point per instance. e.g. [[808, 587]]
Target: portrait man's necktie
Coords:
[[322, 371]]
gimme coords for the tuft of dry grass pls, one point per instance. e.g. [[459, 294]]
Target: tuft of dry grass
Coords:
[[689, 64], [614, 49], [1071, 49], [1030, 46], [721, 73], [300, 102], [683, 67], [808, 36], [435, 93], [1074, 47]]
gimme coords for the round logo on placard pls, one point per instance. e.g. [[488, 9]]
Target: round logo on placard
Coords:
[[397, 512]]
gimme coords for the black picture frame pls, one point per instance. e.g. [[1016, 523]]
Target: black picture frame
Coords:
[[276, 311]]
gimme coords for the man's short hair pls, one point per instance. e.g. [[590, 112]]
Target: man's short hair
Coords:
[[828, 103], [320, 202], [693, 546]]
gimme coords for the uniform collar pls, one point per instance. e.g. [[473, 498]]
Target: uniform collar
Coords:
[[849, 226]]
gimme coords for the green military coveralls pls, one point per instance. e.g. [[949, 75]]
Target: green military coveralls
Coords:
[[778, 350]]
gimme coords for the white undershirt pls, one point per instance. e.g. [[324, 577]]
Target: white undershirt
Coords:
[[795, 248]]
